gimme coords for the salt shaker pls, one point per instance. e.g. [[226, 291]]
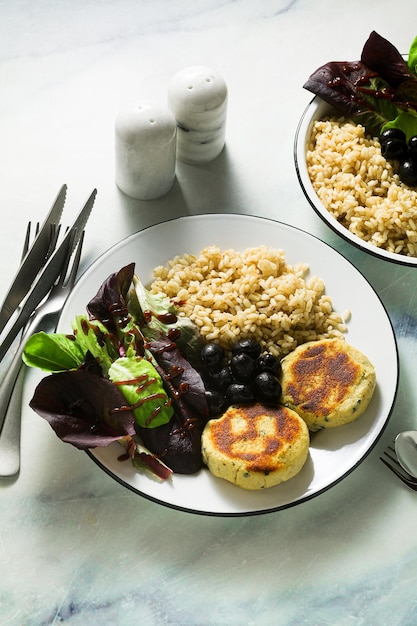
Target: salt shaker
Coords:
[[197, 96], [145, 150]]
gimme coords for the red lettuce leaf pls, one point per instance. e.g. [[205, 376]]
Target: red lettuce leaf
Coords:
[[405, 96], [143, 459], [110, 300], [354, 91], [384, 59], [371, 91], [179, 372], [178, 443], [83, 409]]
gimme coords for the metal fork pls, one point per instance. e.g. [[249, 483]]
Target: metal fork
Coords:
[[389, 458], [12, 385], [26, 243]]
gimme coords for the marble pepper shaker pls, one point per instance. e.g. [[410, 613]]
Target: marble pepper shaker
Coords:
[[197, 97], [145, 150]]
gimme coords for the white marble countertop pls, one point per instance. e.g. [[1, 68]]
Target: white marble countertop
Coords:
[[75, 546]]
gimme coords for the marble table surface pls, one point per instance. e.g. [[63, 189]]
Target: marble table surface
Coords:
[[75, 546]]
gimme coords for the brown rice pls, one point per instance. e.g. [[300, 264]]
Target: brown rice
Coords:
[[359, 187], [233, 295]]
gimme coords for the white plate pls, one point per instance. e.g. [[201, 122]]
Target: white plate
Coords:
[[316, 110], [333, 454]]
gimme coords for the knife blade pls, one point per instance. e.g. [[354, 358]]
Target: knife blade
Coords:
[[49, 274], [33, 261]]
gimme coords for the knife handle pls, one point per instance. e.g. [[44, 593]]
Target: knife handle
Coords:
[[10, 433]]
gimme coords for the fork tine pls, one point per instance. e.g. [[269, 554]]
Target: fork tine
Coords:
[[27, 239], [53, 239], [390, 460], [394, 459], [400, 475]]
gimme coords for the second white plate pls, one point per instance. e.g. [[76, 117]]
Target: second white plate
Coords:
[[316, 110]]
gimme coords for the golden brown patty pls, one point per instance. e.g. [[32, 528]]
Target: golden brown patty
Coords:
[[328, 382], [255, 446]]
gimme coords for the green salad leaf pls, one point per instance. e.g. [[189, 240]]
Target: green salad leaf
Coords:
[[52, 352], [91, 336], [142, 387], [412, 56], [405, 121]]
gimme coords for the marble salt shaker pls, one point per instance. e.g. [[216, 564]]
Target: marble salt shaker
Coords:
[[145, 150], [197, 96]]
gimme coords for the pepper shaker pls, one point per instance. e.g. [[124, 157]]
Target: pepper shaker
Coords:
[[145, 150], [197, 96]]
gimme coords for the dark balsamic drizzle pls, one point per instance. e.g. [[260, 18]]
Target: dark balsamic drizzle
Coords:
[[164, 318], [189, 424]]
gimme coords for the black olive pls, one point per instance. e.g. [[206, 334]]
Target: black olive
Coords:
[[267, 388], [242, 367], [268, 363], [247, 346], [212, 356], [394, 149], [238, 392], [407, 171], [391, 133], [412, 143], [220, 379], [216, 402]]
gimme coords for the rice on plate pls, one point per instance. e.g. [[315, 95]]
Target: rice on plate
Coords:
[[233, 295], [359, 187]]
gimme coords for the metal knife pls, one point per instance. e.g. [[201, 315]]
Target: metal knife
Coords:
[[33, 261], [49, 274]]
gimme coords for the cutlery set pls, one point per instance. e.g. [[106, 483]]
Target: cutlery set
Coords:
[[46, 275]]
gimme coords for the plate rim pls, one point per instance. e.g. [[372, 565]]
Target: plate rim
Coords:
[[301, 135], [308, 496]]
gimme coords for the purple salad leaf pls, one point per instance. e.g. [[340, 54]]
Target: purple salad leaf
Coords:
[[405, 97], [109, 308], [143, 460], [83, 409], [356, 92], [110, 300], [183, 377], [372, 91], [383, 58], [178, 443]]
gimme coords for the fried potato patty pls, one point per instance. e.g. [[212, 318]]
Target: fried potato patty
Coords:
[[328, 382], [256, 446]]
